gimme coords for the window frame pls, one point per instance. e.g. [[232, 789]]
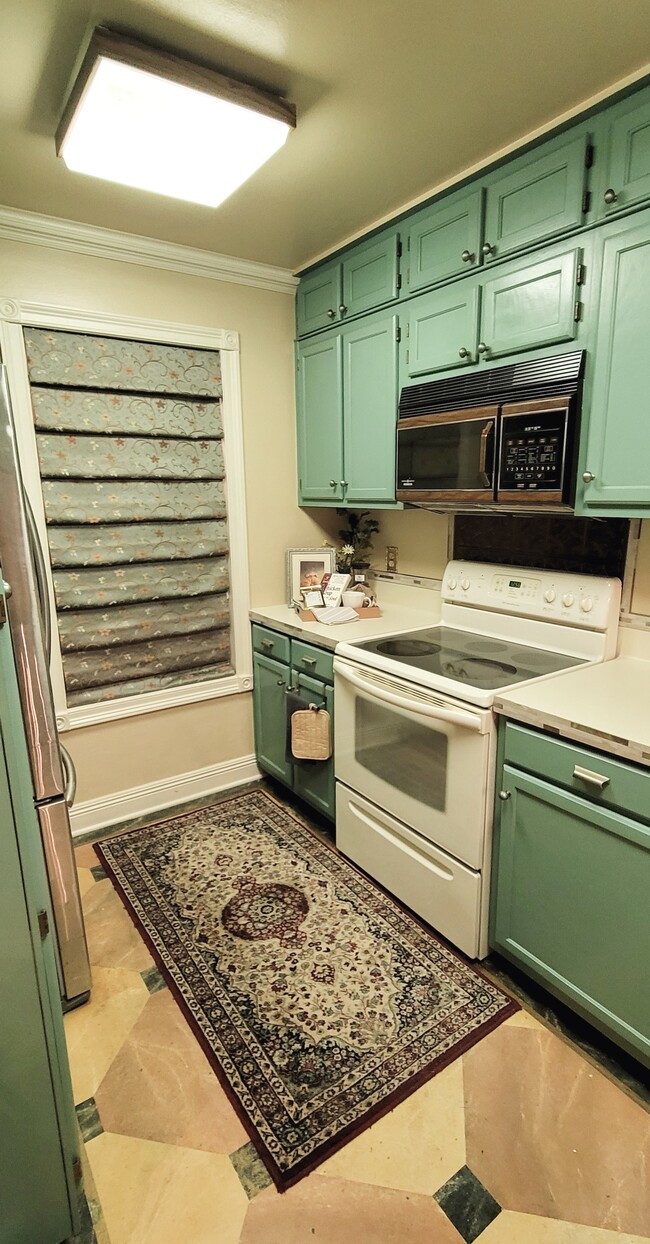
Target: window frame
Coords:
[[14, 317]]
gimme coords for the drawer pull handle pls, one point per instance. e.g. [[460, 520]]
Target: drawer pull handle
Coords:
[[591, 779], [309, 660], [267, 644]]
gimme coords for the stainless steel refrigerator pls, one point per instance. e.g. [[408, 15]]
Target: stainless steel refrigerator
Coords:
[[53, 776]]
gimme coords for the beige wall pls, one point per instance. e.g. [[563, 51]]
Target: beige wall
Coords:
[[147, 748], [641, 592]]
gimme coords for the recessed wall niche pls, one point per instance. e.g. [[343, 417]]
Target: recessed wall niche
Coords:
[[548, 541]]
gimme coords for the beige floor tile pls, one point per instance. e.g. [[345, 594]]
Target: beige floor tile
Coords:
[[113, 940], [86, 856], [332, 1211], [417, 1147], [162, 1087], [163, 1194], [510, 1228], [86, 880], [524, 1019], [95, 1032], [548, 1135]]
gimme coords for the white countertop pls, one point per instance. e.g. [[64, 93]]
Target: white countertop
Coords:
[[403, 608], [606, 706]]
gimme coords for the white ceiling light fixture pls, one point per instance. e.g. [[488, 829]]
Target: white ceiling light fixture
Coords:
[[151, 120]]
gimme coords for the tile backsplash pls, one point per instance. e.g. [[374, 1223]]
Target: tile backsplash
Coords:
[[549, 541]]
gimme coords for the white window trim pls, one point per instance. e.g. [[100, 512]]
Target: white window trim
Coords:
[[14, 316]]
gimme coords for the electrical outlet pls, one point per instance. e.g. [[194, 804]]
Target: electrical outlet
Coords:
[[391, 558]]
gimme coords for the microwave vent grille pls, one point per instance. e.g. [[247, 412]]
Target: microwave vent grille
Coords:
[[534, 378]]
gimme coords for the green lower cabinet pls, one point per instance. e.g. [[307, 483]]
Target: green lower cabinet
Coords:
[[569, 901], [614, 475], [313, 782]]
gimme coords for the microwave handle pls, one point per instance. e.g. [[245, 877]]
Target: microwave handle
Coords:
[[454, 716], [488, 428]]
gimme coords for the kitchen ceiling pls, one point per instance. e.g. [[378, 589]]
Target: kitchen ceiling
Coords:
[[392, 101]]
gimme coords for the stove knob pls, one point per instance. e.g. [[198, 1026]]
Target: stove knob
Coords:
[[568, 600], [464, 583], [452, 584], [549, 595], [586, 604]]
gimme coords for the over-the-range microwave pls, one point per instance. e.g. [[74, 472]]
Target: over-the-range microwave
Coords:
[[501, 438]]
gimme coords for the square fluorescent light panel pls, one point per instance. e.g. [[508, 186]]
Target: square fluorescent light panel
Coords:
[[139, 128]]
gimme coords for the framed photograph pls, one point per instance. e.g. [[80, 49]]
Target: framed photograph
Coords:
[[305, 569]]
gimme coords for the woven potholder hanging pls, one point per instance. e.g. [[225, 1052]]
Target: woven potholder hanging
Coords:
[[311, 734]]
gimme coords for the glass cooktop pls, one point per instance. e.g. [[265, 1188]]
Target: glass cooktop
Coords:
[[479, 661]]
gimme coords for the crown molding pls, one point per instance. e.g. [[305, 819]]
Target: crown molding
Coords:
[[68, 235]]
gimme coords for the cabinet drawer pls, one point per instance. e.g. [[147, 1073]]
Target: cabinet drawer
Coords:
[[602, 780], [317, 662], [271, 643]]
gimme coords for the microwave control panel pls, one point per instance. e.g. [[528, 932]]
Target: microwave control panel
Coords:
[[533, 451]]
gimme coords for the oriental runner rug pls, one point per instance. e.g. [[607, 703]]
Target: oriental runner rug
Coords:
[[320, 1002]]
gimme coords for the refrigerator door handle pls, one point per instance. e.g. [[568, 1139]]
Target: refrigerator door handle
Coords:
[[40, 575], [69, 775]]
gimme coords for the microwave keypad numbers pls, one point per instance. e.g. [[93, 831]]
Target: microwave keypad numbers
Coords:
[[532, 452]]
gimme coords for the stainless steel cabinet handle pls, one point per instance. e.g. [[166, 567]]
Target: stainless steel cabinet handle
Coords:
[[505, 794], [342, 308], [482, 348], [309, 660], [6, 587], [267, 644], [468, 256], [488, 248], [332, 483], [463, 353], [331, 312], [587, 477], [343, 483], [610, 196], [280, 682], [590, 778]]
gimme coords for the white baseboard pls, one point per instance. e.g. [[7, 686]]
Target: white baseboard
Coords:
[[124, 805]]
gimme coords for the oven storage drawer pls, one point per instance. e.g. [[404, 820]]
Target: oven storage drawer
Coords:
[[444, 892]]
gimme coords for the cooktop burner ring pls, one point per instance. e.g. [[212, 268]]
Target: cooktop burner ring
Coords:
[[401, 646], [486, 663]]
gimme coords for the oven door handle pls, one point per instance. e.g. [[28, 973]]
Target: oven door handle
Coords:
[[455, 716]]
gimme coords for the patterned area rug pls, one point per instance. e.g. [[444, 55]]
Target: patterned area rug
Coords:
[[320, 1002]]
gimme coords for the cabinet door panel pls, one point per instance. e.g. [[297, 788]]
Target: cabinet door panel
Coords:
[[320, 418], [315, 781], [442, 330], [440, 236], [541, 197], [530, 304], [271, 680], [370, 275], [627, 164], [618, 440], [318, 299], [370, 408], [570, 902]]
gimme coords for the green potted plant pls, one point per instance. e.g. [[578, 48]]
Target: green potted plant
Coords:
[[354, 555]]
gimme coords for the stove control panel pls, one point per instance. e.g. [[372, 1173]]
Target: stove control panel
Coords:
[[581, 600]]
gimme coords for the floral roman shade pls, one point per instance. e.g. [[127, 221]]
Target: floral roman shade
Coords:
[[130, 447]]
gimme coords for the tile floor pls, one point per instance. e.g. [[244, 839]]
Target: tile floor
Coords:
[[523, 1140]]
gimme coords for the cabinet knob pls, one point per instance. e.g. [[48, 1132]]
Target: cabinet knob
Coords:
[[463, 353], [488, 248], [343, 483], [504, 794], [332, 483], [342, 309], [587, 476], [280, 682], [482, 348], [610, 196], [468, 256], [331, 312]]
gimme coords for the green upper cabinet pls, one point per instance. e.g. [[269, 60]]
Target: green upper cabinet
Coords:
[[536, 196], [530, 303], [347, 411], [624, 169], [366, 278], [615, 454], [440, 330], [443, 240]]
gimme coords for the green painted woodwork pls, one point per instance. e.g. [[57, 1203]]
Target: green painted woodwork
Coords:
[[530, 303], [370, 274], [347, 411], [271, 679], [437, 327], [439, 236], [616, 449], [370, 409], [319, 298], [308, 669], [38, 1137], [569, 901], [625, 167], [320, 419], [536, 196]]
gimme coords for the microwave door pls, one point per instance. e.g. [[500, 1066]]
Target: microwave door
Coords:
[[447, 458]]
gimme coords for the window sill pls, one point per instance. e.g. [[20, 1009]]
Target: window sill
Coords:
[[152, 702]]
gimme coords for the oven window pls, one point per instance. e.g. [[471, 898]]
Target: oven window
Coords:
[[411, 758]]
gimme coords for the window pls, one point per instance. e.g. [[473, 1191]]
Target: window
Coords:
[[130, 442]]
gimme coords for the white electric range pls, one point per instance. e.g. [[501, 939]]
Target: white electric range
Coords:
[[415, 733]]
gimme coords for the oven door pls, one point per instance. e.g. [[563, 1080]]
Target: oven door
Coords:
[[422, 757], [447, 457]]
